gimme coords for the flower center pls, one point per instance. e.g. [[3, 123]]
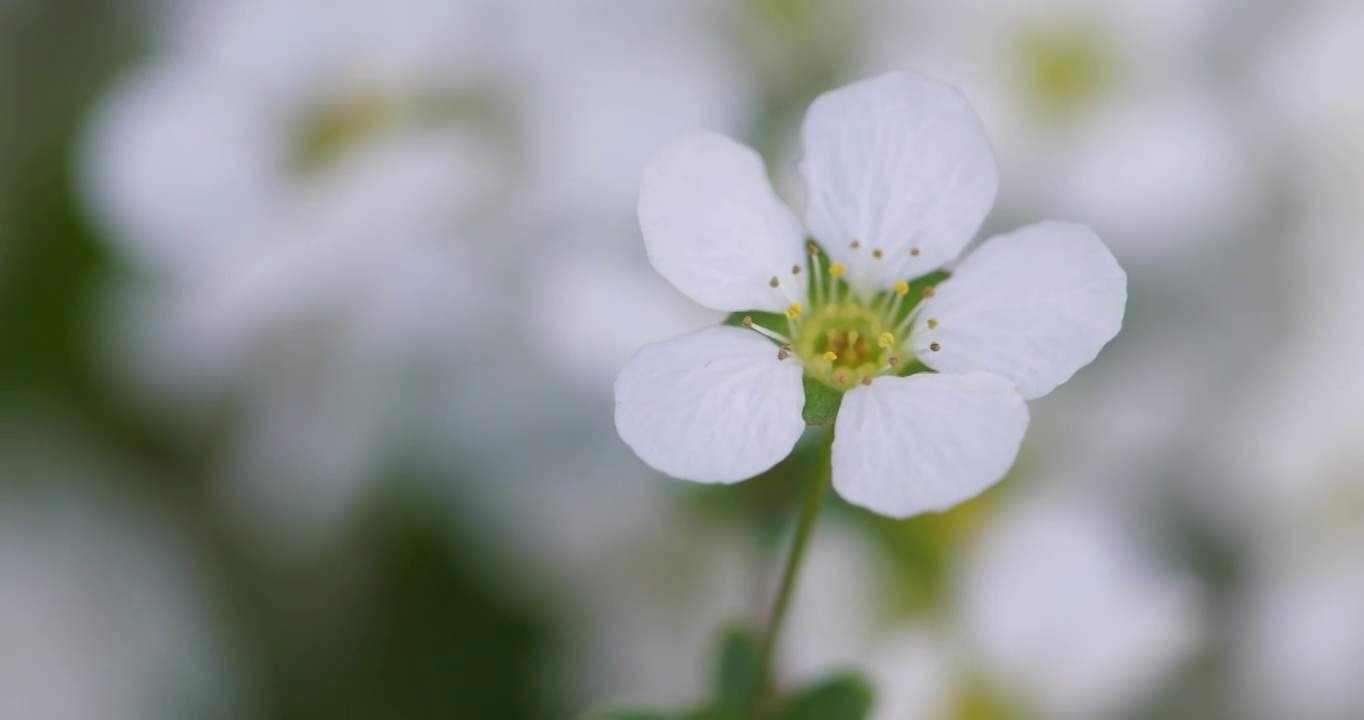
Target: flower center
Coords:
[[341, 126], [844, 342], [844, 336]]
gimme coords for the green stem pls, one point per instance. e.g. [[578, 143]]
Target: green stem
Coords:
[[814, 500]]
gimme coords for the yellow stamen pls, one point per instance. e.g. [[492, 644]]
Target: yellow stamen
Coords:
[[793, 310], [886, 340], [837, 269], [932, 323], [830, 356], [901, 287]]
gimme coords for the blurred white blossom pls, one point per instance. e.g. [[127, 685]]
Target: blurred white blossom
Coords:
[[1103, 112], [603, 87], [1295, 490], [1305, 86], [1068, 613], [102, 605], [303, 190], [1300, 634]]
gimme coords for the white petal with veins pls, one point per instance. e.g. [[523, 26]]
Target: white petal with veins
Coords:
[[903, 446], [714, 406], [1033, 306]]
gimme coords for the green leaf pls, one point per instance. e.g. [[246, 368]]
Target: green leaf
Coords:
[[843, 697], [821, 402], [736, 672]]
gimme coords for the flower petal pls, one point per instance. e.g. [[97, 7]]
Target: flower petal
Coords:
[[897, 162], [926, 442], [714, 406], [1033, 306], [714, 227]]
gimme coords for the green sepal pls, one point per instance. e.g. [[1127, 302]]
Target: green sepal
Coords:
[[821, 402], [915, 294], [776, 322], [842, 697], [736, 672]]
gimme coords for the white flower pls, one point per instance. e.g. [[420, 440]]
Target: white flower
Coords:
[[899, 176]]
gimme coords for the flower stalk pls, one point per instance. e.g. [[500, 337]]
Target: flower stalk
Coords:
[[809, 512]]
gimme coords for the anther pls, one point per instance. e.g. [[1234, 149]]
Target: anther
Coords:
[[748, 321], [782, 354], [901, 287], [830, 356], [795, 269], [837, 269], [866, 380], [886, 340], [813, 250], [786, 347], [840, 378], [856, 244], [792, 311], [932, 323], [876, 254], [894, 360], [929, 292], [935, 347], [774, 281], [914, 252]]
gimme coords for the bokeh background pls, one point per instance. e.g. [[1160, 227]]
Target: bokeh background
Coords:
[[310, 310]]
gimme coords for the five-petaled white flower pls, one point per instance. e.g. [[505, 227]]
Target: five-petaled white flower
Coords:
[[899, 176]]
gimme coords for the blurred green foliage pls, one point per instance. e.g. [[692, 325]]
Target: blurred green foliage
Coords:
[[739, 695]]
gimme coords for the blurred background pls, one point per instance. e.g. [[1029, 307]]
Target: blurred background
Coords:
[[310, 311]]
